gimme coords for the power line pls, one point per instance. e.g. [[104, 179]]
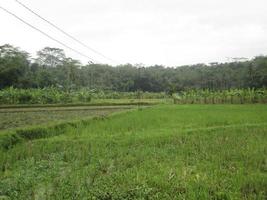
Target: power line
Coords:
[[64, 32], [42, 32]]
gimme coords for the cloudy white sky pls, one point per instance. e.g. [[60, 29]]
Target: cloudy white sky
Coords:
[[168, 32]]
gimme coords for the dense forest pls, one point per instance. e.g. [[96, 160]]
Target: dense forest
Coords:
[[53, 68]]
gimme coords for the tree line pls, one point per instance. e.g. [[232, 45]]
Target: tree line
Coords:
[[53, 68]]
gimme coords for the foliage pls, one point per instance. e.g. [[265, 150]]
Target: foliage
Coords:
[[164, 152], [52, 68], [14, 65], [50, 57], [54, 95], [237, 96]]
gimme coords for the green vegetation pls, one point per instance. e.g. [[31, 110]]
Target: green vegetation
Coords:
[[163, 152], [14, 96], [58, 96], [59, 138], [20, 117], [234, 96], [53, 68]]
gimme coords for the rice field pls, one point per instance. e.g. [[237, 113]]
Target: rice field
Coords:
[[19, 117], [161, 152]]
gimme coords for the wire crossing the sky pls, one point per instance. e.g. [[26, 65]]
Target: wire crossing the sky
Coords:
[[64, 32], [50, 37]]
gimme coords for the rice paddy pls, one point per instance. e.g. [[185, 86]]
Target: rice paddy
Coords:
[[160, 152]]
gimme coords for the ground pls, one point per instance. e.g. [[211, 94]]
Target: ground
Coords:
[[161, 152], [22, 117]]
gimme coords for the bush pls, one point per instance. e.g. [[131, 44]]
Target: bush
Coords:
[[54, 95], [232, 96], [8, 140], [25, 98]]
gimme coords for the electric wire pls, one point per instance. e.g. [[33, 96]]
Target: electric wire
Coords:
[[47, 35], [64, 32]]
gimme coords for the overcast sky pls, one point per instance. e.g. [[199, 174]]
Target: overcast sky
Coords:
[[168, 32]]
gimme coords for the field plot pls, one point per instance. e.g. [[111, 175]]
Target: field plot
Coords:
[[162, 152], [21, 117]]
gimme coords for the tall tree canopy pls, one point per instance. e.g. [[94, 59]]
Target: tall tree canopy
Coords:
[[50, 57], [53, 68], [14, 65]]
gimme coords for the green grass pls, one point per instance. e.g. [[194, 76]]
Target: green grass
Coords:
[[164, 152], [31, 116], [131, 101], [94, 102]]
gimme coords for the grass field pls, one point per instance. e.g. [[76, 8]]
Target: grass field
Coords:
[[162, 152], [30, 116]]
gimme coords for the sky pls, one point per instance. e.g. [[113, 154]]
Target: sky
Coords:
[[162, 32]]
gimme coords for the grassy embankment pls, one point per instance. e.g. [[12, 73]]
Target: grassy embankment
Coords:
[[163, 152]]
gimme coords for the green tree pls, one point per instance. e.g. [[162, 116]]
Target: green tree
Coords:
[[50, 57], [14, 66]]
